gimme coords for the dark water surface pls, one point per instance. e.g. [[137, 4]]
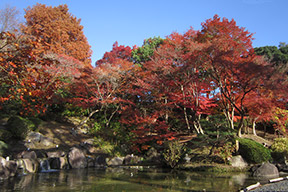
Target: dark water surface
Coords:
[[120, 179]]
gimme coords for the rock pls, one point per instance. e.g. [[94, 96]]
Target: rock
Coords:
[[30, 165], [4, 173], [89, 141], [12, 168], [54, 163], [88, 148], [34, 138], [90, 162], [58, 163], [238, 161], [100, 161], [46, 141], [266, 170], [152, 155], [131, 159], [56, 154], [76, 158], [29, 155], [7, 168], [115, 161]]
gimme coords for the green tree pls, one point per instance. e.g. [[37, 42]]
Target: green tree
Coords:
[[278, 56], [146, 51]]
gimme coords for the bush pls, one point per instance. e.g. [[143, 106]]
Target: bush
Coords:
[[253, 152], [279, 149], [19, 126], [104, 146], [173, 153]]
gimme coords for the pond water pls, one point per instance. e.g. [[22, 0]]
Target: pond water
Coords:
[[122, 180]]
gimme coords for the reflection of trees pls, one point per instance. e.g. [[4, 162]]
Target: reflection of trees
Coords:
[[126, 179]]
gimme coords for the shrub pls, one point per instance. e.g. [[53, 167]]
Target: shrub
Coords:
[[225, 152], [104, 146], [279, 149], [19, 126], [173, 153], [5, 135], [253, 152], [3, 148]]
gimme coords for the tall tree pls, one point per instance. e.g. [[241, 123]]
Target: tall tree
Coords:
[[58, 32], [29, 79], [229, 58]]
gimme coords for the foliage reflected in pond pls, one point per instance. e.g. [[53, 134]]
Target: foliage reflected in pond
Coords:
[[113, 179]]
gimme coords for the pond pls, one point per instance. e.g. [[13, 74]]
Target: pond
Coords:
[[123, 179]]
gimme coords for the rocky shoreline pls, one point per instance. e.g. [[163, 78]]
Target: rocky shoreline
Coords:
[[76, 158]]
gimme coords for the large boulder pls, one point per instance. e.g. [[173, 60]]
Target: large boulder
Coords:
[[27, 155], [76, 158], [266, 170], [35, 139], [238, 161], [30, 165]]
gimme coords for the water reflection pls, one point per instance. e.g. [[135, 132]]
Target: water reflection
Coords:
[[120, 179]]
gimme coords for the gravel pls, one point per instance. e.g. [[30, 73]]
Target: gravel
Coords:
[[279, 186]]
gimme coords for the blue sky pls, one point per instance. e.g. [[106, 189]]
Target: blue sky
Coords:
[[131, 21]]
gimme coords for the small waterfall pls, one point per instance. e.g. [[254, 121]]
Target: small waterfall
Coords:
[[44, 165]]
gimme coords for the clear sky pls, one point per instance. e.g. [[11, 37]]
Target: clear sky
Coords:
[[131, 21]]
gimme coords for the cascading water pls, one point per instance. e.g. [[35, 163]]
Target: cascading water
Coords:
[[44, 165]]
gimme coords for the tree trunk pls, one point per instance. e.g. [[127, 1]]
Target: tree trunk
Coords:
[[185, 112], [240, 125], [87, 118], [197, 125], [229, 116], [254, 126], [166, 112]]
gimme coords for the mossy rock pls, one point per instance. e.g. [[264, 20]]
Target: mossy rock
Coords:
[[3, 148], [5, 135], [19, 126], [253, 152]]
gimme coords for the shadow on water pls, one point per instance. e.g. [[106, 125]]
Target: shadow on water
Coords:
[[117, 179]]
